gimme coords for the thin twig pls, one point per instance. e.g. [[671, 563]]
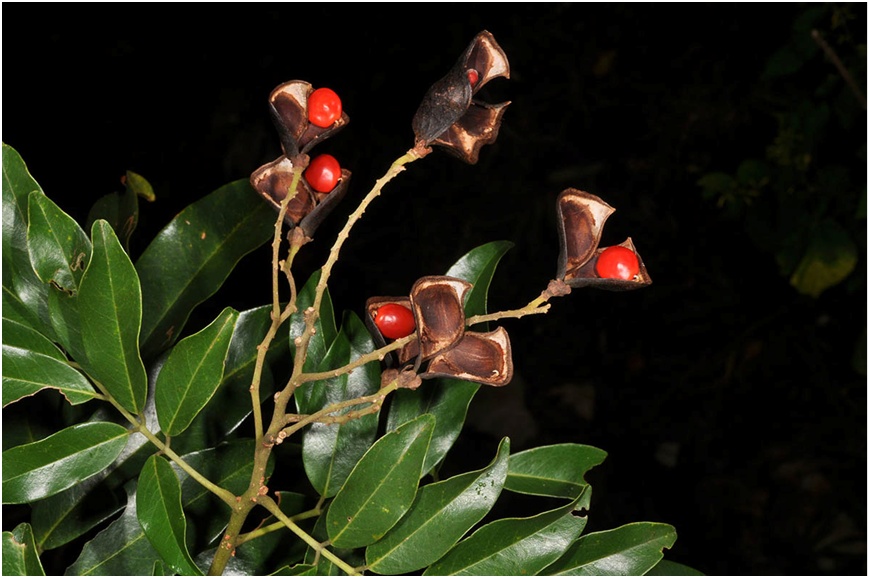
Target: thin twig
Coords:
[[837, 62]]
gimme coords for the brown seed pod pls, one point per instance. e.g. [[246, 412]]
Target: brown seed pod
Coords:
[[288, 104], [438, 305], [448, 115], [479, 357], [581, 217], [307, 208]]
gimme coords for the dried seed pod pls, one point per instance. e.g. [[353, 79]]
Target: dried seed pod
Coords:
[[587, 276], [438, 304], [449, 116], [406, 353], [581, 217], [307, 208], [479, 357], [288, 103]]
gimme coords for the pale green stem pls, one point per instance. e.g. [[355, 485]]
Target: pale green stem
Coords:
[[312, 313], [277, 317], [374, 399], [272, 507], [224, 495]]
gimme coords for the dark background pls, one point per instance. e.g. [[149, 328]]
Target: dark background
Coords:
[[730, 405]]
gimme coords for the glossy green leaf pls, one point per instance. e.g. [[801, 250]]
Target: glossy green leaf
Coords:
[[448, 399], [381, 487], [229, 466], [478, 267], [51, 465], [325, 333], [59, 249], [110, 305], [555, 470], [192, 373], [22, 289], [231, 403], [441, 514], [326, 567], [829, 259], [121, 549], [297, 570], [631, 550], [515, 546], [330, 451], [20, 556], [121, 211], [32, 363], [669, 568], [70, 514], [158, 505], [191, 257]]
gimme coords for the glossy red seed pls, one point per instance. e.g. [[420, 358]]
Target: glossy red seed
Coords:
[[323, 173], [394, 321], [473, 77], [324, 107], [617, 262]]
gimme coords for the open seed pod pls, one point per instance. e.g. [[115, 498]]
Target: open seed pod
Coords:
[[438, 304], [449, 116], [581, 217], [308, 208], [289, 108], [406, 353], [479, 357]]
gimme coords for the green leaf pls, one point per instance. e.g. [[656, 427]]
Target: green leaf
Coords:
[[20, 556], [441, 514], [190, 259], [829, 259], [32, 363], [120, 550], [296, 570], [192, 373], [555, 470], [229, 466], [231, 403], [43, 468], [65, 516], [631, 550], [321, 340], [110, 305], [515, 546], [381, 487], [58, 248], [448, 399], [158, 504], [121, 211], [326, 567], [23, 292], [668, 568], [330, 451]]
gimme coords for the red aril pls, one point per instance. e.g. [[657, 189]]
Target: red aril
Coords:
[[394, 321], [323, 173], [617, 262], [324, 107]]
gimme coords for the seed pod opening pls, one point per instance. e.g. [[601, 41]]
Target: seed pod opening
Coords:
[[479, 357], [406, 353], [307, 208], [439, 310], [288, 103], [449, 116]]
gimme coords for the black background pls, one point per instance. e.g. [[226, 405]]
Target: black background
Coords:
[[747, 384]]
